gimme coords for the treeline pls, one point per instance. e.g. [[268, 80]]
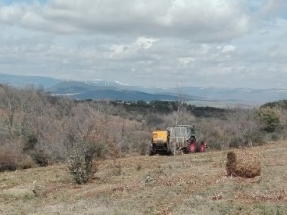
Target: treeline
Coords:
[[167, 107], [39, 129]]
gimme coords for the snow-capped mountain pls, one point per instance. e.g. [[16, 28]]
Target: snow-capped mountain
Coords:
[[116, 90]]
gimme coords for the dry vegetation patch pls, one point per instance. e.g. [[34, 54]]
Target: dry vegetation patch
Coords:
[[183, 184], [243, 163]]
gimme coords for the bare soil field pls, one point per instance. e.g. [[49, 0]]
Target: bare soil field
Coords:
[[181, 184]]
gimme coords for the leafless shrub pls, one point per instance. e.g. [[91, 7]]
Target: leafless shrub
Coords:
[[8, 160], [238, 129], [10, 103], [26, 162], [12, 160], [139, 142], [213, 132], [242, 125]]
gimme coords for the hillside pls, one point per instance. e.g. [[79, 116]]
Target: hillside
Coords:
[[114, 90], [21, 80], [183, 184], [96, 91]]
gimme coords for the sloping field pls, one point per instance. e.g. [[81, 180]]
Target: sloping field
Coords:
[[183, 184]]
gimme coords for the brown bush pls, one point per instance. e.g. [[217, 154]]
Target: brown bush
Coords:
[[26, 162], [231, 163], [8, 160], [243, 164], [40, 158], [12, 160]]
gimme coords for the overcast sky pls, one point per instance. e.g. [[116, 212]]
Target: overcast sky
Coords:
[[166, 43]]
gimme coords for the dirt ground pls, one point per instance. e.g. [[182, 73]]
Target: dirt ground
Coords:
[[181, 184]]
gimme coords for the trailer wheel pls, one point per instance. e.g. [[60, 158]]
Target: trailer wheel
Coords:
[[192, 146], [202, 147]]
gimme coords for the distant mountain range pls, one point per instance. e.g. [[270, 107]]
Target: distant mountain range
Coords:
[[21, 80], [100, 89]]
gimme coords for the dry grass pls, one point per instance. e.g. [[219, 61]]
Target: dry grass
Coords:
[[243, 163], [161, 185], [231, 163]]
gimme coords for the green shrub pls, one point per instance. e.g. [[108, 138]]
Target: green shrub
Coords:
[[270, 118], [84, 160], [80, 168]]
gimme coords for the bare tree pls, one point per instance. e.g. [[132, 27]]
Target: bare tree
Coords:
[[243, 125], [9, 103]]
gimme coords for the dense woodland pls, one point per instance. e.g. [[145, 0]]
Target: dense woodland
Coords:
[[39, 129]]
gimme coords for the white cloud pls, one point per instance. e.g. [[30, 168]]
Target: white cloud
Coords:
[[206, 43], [186, 61], [118, 49], [145, 43], [195, 20], [228, 49]]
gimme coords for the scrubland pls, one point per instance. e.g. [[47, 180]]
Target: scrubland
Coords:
[[181, 184], [43, 139]]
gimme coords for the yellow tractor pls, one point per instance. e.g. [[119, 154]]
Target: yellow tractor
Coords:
[[180, 138]]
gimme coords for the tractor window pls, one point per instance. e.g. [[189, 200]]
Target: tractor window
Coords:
[[191, 131]]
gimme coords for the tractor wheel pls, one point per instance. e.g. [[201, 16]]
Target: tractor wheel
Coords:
[[192, 147], [202, 147], [185, 150], [192, 139], [151, 151]]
